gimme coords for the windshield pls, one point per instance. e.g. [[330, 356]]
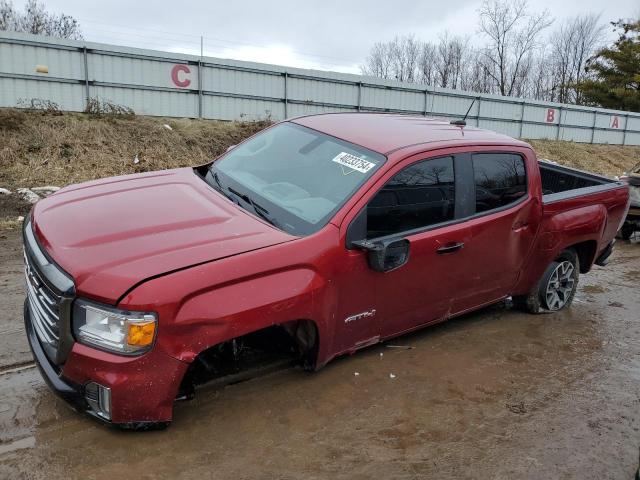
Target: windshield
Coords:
[[293, 177]]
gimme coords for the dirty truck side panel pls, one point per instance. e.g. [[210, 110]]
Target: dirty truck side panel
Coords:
[[432, 287], [590, 220]]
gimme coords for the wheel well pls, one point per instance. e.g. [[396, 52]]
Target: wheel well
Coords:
[[586, 252], [249, 355]]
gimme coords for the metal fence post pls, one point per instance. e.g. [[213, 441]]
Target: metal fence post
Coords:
[[593, 127], [559, 123], [521, 119], [286, 97], [87, 94], [359, 95], [624, 132], [426, 102], [200, 88]]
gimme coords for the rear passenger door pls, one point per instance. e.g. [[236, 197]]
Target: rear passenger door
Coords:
[[503, 222]]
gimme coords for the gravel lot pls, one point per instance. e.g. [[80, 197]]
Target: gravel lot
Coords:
[[495, 394]]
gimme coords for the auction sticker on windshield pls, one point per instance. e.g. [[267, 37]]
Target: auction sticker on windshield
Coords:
[[355, 163]]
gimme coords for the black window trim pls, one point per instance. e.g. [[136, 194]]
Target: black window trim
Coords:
[[472, 184], [464, 186]]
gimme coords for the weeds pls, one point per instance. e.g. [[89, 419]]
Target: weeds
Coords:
[[97, 107], [40, 105]]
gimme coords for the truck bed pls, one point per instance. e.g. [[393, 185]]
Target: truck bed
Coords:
[[560, 182]]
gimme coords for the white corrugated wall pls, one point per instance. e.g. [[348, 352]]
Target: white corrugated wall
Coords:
[[176, 85]]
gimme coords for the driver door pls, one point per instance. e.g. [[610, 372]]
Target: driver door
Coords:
[[418, 204]]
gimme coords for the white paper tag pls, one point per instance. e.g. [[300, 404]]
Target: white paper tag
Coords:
[[355, 163]]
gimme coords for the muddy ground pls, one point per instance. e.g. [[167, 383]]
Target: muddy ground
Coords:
[[493, 395]]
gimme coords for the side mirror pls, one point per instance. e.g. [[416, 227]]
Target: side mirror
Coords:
[[385, 255]]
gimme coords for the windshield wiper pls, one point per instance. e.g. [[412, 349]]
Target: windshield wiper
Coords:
[[219, 186], [259, 210]]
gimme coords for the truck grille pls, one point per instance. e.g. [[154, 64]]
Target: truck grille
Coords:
[[43, 305]]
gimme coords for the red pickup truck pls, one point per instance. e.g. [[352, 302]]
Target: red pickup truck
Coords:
[[318, 236]]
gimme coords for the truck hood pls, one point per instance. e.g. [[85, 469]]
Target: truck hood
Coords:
[[111, 234]]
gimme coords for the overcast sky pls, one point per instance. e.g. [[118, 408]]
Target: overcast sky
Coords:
[[327, 34]]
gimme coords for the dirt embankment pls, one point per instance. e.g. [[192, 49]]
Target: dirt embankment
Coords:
[[49, 148], [39, 148], [610, 160]]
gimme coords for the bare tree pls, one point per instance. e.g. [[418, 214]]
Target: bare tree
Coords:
[[397, 59], [35, 19], [518, 60], [572, 44], [514, 35], [541, 83], [427, 64], [474, 74], [450, 57], [7, 16], [406, 53], [379, 63]]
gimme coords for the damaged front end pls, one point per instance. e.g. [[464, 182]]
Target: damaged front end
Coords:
[[253, 355]]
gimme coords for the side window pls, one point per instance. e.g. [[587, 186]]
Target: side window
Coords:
[[500, 179], [416, 197]]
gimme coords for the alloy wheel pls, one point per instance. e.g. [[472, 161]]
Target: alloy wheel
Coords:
[[560, 286]]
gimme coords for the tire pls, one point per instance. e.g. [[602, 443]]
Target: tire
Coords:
[[626, 231], [557, 287]]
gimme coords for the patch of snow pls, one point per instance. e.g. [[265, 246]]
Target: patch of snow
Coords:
[[28, 195], [49, 189]]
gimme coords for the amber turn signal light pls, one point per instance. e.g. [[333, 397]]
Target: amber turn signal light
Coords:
[[141, 333]]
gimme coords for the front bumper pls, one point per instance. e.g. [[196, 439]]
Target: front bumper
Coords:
[[143, 388], [69, 391]]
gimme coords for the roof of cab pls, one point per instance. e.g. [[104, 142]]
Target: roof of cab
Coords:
[[386, 133]]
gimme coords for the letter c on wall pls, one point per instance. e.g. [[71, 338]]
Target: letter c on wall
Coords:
[[176, 76]]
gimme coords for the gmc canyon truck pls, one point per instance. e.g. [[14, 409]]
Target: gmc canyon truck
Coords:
[[318, 236]]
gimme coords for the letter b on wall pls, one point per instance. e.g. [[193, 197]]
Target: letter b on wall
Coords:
[[551, 115]]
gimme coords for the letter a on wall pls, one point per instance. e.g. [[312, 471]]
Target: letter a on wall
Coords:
[[615, 122]]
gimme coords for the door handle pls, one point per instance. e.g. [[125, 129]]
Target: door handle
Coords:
[[450, 248], [520, 226]]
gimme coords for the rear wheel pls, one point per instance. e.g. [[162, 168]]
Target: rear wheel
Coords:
[[557, 287]]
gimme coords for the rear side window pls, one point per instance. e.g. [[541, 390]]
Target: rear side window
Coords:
[[416, 197], [500, 180]]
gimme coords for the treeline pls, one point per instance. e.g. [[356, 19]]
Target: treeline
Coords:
[[36, 20], [521, 55]]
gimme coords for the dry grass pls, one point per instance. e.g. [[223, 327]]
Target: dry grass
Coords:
[[10, 224], [37, 148], [610, 160]]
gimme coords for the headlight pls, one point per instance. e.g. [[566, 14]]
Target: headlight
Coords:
[[112, 329]]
